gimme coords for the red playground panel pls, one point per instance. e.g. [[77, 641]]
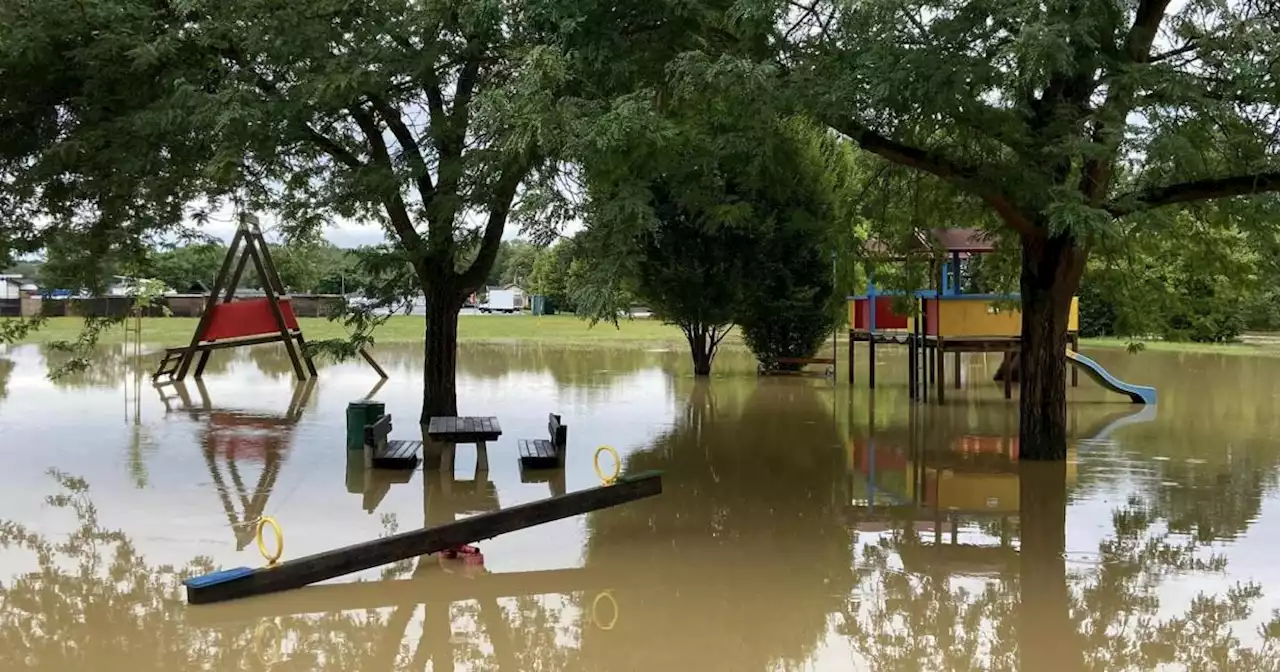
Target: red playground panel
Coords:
[[1000, 445], [886, 318], [886, 458], [240, 319]]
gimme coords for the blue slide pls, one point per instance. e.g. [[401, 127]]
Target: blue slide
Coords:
[[1140, 394]]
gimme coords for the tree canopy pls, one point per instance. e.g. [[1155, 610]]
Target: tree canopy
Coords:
[[1072, 121]]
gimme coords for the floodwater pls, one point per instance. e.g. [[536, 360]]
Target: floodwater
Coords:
[[802, 526]]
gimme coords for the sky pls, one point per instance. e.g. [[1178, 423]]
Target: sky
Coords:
[[342, 233]]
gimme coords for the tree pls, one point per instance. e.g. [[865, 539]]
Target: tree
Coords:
[[427, 116], [1068, 120], [550, 274], [307, 266], [789, 307], [519, 264], [411, 113], [88, 161], [182, 267], [693, 275]]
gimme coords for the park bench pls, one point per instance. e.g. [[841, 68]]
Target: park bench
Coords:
[[544, 453], [382, 453], [796, 366]]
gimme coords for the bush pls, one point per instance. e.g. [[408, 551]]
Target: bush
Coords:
[[791, 326], [788, 311]]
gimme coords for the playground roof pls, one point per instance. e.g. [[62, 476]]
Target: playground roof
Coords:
[[961, 241]]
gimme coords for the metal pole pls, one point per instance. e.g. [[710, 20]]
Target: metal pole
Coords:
[[835, 347]]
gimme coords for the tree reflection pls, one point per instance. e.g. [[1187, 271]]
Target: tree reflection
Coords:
[[92, 601], [6, 370], [741, 560], [111, 366], [568, 366], [1046, 616]]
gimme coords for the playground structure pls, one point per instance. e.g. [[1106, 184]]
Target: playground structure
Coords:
[[229, 323], [945, 319]]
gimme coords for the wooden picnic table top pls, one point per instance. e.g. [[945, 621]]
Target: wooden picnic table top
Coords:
[[464, 429]]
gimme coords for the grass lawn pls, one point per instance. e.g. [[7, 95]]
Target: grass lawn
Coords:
[[554, 329], [1251, 346], [562, 329]]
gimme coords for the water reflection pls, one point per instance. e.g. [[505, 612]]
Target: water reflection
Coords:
[[232, 438], [741, 560], [6, 370], [801, 526], [964, 561]]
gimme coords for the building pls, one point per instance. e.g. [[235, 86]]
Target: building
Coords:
[[11, 290]]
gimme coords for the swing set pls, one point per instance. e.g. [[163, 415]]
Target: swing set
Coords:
[[228, 323]]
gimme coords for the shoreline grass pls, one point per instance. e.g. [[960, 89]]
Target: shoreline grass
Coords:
[[559, 329], [554, 329], [1245, 348]]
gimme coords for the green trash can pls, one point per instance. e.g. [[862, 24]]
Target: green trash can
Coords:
[[359, 414]]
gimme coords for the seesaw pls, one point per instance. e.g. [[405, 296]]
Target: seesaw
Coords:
[[241, 582]]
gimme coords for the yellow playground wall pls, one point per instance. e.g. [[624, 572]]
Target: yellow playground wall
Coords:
[[997, 493], [975, 317]]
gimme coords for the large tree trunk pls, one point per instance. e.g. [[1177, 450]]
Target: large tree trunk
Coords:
[[702, 348], [1051, 270], [1047, 637], [439, 375]]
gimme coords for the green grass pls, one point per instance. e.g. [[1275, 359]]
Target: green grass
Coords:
[[1255, 348], [559, 329], [555, 329]]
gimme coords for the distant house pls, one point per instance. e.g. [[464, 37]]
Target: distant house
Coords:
[[18, 297], [10, 295], [10, 287]]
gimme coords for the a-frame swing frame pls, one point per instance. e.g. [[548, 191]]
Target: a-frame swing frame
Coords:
[[248, 244]]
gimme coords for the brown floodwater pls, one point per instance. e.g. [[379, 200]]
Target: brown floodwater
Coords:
[[803, 525]]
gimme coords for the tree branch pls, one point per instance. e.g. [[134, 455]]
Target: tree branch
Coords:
[[1095, 179], [332, 147], [408, 143], [964, 177], [1197, 190], [504, 195], [466, 85], [392, 201], [1172, 53], [326, 144]]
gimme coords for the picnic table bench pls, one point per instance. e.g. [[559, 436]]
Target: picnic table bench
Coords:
[[382, 453], [546, 453], [446, 431], [796, 365]]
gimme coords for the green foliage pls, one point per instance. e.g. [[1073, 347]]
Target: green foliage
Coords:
[[514, 263], [304, 265], [182, 267], [551, 273], [1198, 277], [790, 305]]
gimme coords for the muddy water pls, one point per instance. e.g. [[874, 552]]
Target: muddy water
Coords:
[[802, 525]]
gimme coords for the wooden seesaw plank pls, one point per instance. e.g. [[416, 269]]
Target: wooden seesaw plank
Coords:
[[434, 587], [245, 582]]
